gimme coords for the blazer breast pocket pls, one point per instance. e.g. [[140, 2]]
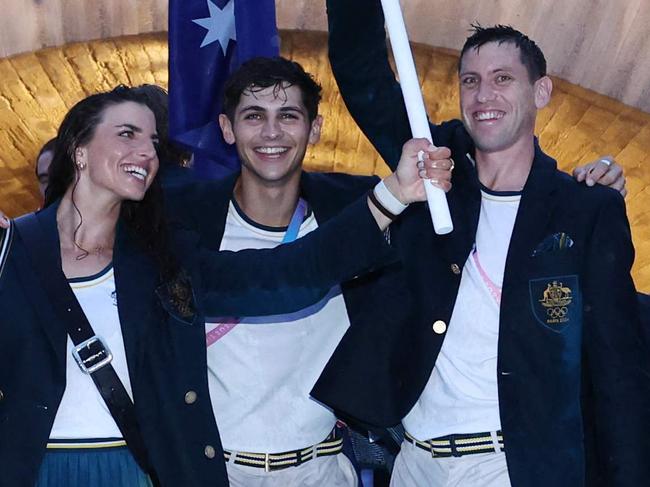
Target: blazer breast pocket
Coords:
[[557, 254]]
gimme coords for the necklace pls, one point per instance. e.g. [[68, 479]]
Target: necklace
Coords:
[[98, 251]]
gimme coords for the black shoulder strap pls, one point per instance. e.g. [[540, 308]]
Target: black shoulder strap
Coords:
[[90, 352], [6, 234]]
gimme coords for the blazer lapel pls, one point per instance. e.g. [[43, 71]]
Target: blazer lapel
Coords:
[[216, 204], [55, 330], [464, 205], [325, 203], [535, 211], [136, 276]]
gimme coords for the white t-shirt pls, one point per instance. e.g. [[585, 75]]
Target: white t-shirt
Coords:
[[261, 372], [462, 395], [82, 413]]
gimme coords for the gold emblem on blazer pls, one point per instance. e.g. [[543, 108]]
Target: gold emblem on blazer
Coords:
[[556, 298]]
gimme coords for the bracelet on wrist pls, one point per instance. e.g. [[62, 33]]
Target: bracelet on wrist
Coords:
[[388, 200], [380, 207]]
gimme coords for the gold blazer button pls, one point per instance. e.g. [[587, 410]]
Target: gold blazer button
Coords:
[[190, 397]]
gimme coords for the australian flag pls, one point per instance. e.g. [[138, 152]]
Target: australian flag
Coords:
[[208, 39]]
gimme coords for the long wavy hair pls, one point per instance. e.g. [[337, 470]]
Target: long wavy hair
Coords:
[[146, 218]]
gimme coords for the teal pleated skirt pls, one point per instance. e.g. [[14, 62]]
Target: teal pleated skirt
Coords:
[[70, 466]]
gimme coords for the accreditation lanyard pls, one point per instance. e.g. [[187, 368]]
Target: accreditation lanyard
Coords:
[[226, 325]]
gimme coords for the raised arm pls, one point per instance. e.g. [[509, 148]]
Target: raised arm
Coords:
[[359, 59]]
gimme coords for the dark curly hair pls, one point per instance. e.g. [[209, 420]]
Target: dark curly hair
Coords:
[[260, 73], [144, 219]]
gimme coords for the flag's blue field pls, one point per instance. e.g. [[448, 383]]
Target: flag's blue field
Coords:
[[208, 39]]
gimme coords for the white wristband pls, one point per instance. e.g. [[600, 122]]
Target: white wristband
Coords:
[[388, 200]]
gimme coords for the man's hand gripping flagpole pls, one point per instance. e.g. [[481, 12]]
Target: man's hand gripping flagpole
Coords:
[[414, 102]]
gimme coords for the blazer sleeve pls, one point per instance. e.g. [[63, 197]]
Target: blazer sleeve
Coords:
[[359, 59], [616, 363], [289, 277]]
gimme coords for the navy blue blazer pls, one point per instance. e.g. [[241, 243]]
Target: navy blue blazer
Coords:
[[369, 298], [165, 351], [573, 390], [644, 311]]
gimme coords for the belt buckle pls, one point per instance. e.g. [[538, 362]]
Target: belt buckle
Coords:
[[94, 357], [267, 462]]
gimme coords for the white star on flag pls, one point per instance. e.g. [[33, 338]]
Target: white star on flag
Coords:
[[220, 25]]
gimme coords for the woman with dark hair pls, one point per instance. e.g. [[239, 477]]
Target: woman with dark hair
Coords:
[[103, 172], [92, 276]]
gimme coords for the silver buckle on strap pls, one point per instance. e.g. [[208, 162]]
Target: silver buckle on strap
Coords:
[[92, 354]]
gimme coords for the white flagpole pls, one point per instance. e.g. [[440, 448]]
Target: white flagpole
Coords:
[[417, 115]]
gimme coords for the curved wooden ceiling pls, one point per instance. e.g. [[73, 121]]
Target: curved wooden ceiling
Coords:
[[37, 88], [602, 46]]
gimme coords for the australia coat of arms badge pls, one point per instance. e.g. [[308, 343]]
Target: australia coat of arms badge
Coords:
[[554, 300]]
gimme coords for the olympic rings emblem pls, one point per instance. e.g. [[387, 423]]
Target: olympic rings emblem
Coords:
[[557, 312]]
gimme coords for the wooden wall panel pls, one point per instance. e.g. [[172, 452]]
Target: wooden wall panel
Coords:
[[29, 25], [36, 89], [598, 44]]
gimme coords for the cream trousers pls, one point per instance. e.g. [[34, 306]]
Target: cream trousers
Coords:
[[415, 467], [332, 471]]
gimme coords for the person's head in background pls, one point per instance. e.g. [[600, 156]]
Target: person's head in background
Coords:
[[43, 161]]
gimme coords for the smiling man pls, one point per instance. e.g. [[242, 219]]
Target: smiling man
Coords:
[[520, 363], [261, 369]]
